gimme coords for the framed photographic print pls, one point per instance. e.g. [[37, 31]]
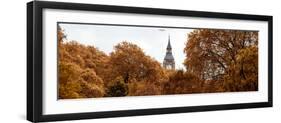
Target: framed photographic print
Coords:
[[95, 61]]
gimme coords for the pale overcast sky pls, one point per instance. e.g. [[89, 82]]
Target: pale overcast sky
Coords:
[[152, 40]]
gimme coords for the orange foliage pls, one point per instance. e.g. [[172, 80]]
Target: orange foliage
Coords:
[[181, 82], [224, 57], [130, 62], [216, 61], [81, 69]]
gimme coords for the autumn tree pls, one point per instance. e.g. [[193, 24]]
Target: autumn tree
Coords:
[[181, 82], [91, 84], [133, 65], [77, 83], [68, 86], [117, 88], [244, 73], [212, 53], [81, 69], [144, 88], [60, 35], [84, 56], [130, 62], [216, 61]]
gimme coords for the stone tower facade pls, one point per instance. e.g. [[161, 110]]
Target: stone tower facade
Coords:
[[169, 62]]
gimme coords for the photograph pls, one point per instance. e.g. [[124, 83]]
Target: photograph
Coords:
[[86, 60], [97, 60]]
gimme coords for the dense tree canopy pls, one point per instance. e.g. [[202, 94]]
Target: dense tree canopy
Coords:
[[216, 61], [130, 62], [243, 75], [223, 55], [140, 71], [81, 69], [181, 82]]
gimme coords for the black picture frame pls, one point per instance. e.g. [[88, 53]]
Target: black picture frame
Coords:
[[34, 60]]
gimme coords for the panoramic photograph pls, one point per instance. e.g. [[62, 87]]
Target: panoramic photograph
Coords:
[[108, 60]]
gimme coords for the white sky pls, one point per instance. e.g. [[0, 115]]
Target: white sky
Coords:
[[152, 40]]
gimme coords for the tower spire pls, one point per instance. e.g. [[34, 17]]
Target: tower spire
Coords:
[[169, 62], [169, 43]]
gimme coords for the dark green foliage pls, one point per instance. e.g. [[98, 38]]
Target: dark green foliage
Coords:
[[118, 88]]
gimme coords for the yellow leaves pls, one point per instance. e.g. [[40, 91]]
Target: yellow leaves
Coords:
[[90, 90], [130, 62], [181, 82], [68, 72], [90, 76], [68, 76], [244, 72], [77, 83], [90, 73], [226, 56], [247, 53], [216, 61], [78, 68], [142, 88], [69, 90]]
